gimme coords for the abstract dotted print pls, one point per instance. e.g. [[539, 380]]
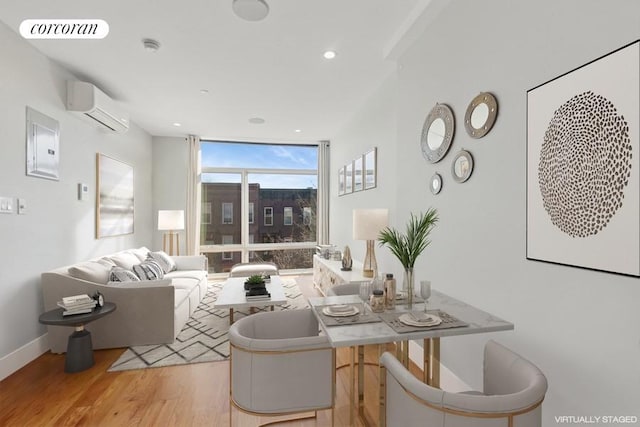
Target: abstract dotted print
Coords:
[[585, 164]]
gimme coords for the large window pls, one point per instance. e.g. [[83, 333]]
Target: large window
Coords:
[[273, 190]]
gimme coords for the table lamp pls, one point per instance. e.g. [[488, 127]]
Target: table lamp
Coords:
[[367, 224], [170, 221]]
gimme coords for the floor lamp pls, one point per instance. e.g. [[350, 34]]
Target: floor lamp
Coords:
[[171, 221], [367, 224]]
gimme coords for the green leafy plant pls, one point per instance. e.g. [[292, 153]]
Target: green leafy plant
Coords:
[[256, 279], [407, 247]]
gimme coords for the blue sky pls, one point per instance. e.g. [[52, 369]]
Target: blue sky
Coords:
[[264, 156]]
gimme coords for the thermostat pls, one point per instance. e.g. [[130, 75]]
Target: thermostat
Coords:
[[83, 191]]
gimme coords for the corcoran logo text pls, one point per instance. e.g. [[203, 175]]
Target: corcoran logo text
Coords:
[[64, 29]]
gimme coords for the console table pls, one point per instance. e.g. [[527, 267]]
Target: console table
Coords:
[[328, 273], [79, 348]]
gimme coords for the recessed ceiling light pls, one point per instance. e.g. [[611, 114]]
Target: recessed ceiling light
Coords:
[[204, 91], [150, 45], [256, 120], [177, 124], [298, 130], [329, 54]]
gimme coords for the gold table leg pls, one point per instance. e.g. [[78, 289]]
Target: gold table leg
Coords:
[[431, 361], [382, 381], [361, 380], [352, 391]]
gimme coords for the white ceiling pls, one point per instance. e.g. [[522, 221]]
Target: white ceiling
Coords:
[[273, 69]]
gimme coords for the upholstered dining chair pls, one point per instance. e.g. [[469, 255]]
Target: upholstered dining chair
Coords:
[[345, 289], [246, 269], [280, 365], [512, 395]]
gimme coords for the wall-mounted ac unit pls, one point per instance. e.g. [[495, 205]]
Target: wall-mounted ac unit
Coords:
[[95, 106]]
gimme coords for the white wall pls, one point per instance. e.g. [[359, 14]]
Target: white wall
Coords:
[[373, 126], [58, 229], [170, 166], [579, 326]]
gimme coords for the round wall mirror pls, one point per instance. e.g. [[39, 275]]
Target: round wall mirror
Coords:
[[435, 184], [481, 115], [462, 166], [437, 133]]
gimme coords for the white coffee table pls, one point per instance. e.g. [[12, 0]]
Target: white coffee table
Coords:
[[232, 295]]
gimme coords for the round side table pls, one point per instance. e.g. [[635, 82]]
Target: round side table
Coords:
[[79, 348]]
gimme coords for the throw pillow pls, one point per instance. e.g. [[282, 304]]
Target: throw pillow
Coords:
[[148, 270], [141, 253], [124, 259], [165, 261], [119, 274], [91, 271]]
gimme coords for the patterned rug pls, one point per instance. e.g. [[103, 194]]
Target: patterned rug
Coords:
[[203, 338]]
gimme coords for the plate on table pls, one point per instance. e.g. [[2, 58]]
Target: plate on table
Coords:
[[341, 310], [420, 319]]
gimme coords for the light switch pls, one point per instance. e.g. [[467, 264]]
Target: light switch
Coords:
[[6, 205], [22, 206]]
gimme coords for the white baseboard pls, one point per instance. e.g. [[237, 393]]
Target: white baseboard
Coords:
[[22, 356], [448, 380]]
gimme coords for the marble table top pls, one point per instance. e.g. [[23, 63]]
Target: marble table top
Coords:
[[478, 321]]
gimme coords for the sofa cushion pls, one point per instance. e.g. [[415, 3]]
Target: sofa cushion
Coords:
[[91, 271], [125, 260], [141, 253], [181, 296], [148, 270], [164, 260], [188, 274], [119, 274]]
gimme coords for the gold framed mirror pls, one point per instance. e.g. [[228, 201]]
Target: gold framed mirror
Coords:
[[462, 166], [481, 115]]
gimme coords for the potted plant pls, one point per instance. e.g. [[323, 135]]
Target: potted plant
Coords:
[[407, 247], [255, 281]]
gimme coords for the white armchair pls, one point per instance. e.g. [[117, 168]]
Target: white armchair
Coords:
[[512, 395], [280, 364]]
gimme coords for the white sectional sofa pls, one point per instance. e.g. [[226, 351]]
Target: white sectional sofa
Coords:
[[148, 312]]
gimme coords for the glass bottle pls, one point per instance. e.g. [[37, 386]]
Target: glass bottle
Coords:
[[390, 292], [377, 301]]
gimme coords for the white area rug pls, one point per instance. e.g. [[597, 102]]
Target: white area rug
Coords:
[[204, 337]]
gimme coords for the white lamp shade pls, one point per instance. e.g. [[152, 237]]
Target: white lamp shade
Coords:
[[367, 223], [170, 220]]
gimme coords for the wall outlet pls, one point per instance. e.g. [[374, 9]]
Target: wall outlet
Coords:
[[22, 206]]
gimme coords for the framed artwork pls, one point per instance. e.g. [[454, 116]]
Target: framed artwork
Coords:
[[114, 197], [43, 146], [348, 178], [583, 170], [341, 181], [370, 166], [357, 174]]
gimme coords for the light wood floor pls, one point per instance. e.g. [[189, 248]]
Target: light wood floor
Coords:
[[41, 394]]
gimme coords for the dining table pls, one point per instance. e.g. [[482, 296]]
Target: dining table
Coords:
[[348, 321]]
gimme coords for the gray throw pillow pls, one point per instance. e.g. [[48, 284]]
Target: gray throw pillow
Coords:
[[119, 274], [148, 270], [165, 261]]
